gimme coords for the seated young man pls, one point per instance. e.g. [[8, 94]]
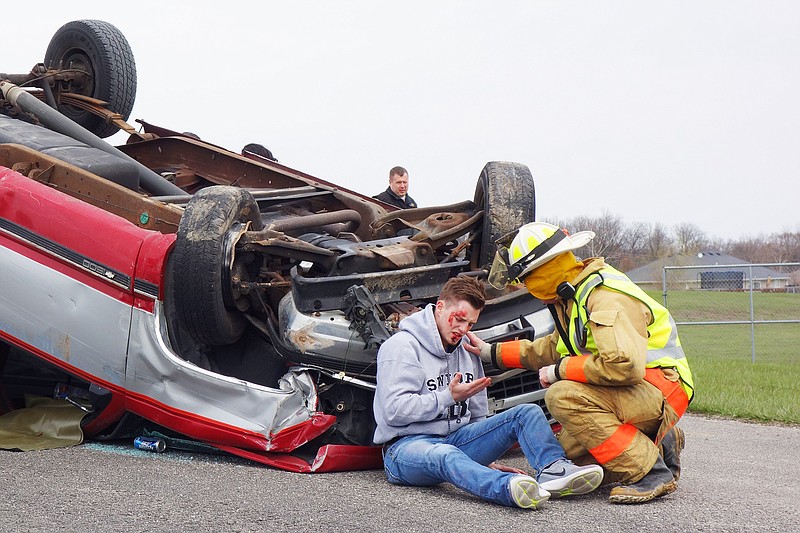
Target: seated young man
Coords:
[[431, 411]]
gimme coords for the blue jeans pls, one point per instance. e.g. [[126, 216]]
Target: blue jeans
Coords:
[[461, 457]]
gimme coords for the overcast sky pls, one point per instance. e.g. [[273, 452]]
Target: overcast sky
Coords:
[[670, 112]]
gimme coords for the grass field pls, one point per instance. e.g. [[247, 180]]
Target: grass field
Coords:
[[727, 380], [729, 383], [703, 306]]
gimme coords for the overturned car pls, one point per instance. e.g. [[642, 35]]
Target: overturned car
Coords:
[[220, 296]]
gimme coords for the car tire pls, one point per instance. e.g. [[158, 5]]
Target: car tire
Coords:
[[102, 50], [207, 304], [505, 191]]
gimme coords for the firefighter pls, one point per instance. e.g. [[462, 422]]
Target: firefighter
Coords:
[[616, 376]]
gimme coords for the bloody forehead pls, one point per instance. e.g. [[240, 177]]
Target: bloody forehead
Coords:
[[456, 314]]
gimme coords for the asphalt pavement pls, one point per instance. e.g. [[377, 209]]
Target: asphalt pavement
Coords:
[[737, 476]]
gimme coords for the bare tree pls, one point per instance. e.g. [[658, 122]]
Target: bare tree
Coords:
[[750, 249], [628, 246], [689, 239], [659, 243], [634, 246], [718, 245], [783, 247], [609, 235], [776, 248]]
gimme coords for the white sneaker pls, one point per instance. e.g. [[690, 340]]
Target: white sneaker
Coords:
[[565, 478], [527, 493]]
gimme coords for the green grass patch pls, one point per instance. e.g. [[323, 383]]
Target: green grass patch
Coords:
[[729, 383], [741, 371], [712, 306]]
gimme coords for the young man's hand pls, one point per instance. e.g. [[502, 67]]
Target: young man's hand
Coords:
[[506, 468], [462, 391]]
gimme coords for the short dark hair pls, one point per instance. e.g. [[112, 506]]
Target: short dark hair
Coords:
[[464, 288], [259, 149], [397, 171]]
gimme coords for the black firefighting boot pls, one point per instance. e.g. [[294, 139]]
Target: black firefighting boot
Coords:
[[670, 448], [657, 482]]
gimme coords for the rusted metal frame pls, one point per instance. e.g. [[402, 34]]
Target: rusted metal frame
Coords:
[[40, 76], [54, 120], [373, 257], [86, 103], [416, 283], [17, 79], [99, 108], [369, 208], [277, 244], [170, 154], [349, 219], [214, 164], [435, 225], [291, 193], [92, 189], [406, 253], [277, 167], [438, 238], [463, 245]]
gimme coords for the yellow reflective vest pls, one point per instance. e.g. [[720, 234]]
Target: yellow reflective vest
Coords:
[[663, 344]]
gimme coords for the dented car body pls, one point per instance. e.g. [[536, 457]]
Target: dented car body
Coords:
[[211, 294]]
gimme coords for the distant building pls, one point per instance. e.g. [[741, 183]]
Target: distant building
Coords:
[[735, 278]]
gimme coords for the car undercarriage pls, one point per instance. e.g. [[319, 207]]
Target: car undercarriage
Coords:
[[214, 294]]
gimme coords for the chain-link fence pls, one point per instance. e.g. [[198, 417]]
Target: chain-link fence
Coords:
[[735, 311]]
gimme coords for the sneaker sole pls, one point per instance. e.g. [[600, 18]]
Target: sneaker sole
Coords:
[[578, 483], [529, 495], [633, 497]]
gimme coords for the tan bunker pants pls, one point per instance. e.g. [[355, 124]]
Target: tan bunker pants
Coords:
[[614, 427]]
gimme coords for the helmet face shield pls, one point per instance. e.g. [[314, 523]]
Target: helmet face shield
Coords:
[[532, 245], [498, 275]]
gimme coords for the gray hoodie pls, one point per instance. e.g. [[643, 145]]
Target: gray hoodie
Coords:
[[414, 371]]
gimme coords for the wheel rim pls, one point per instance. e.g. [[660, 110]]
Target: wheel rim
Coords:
[[76, 60]]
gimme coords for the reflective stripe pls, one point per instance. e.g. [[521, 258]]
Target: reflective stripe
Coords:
[[663, 344], [579, 331], [614, 445], [671, 349], [607, 274], [673, 392], [673, 352], [582, 349], [574, 368], [511, 354], [586, 287]]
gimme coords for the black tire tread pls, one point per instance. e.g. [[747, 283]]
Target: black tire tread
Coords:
[[115, 70], [198, 262], [506, 191]]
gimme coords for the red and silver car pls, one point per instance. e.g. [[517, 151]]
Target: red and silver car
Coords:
[[178, 287]]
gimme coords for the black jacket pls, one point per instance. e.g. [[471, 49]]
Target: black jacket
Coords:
[[391, 198]]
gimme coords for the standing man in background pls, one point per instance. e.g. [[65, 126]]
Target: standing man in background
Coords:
[[396, 193]]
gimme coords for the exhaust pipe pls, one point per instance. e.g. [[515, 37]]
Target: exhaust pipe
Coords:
[[54, 120]]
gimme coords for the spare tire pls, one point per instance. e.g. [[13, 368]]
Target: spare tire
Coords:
[[101, 50], [506, 194], [207, 304]]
